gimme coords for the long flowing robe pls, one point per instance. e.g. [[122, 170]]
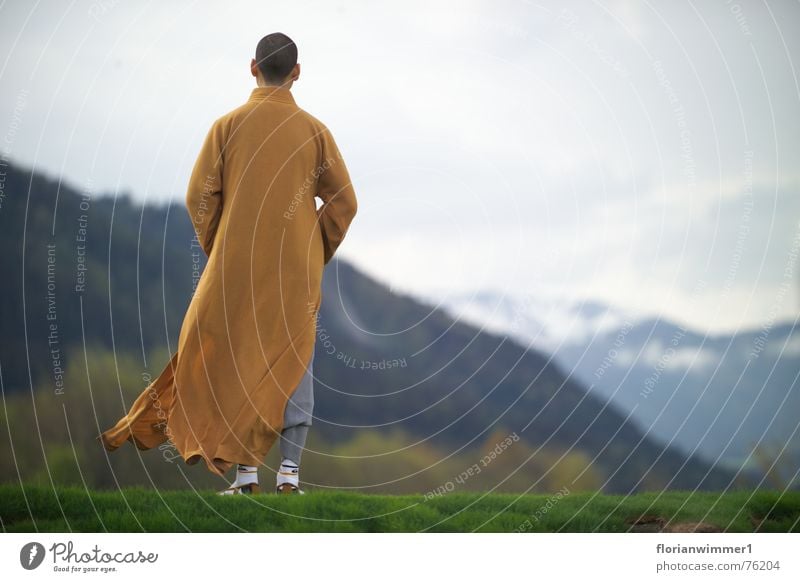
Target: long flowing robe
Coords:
[[250, 327]]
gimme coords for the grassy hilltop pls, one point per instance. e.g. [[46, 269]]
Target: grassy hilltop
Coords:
[[38, 509]]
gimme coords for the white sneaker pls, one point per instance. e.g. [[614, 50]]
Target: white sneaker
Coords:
[[289, 489], [248, 489]]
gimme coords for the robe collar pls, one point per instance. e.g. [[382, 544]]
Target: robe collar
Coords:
[[273, 93]]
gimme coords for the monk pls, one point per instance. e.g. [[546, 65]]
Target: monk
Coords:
[[241, 377]]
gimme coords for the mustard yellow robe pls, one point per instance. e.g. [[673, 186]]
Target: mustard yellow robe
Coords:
[[249, 330]]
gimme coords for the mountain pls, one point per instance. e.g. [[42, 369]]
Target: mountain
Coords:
[[384, 361], [76, 266], [546, 323], [728, 398]]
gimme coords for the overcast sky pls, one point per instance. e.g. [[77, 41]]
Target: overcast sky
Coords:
[[638, 153]]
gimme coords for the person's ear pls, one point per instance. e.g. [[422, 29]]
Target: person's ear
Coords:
[[295, 72], [253, 68]]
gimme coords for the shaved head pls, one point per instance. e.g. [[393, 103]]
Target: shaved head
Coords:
[[276, 56]]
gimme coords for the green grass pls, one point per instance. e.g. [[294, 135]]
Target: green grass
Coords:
[[39, 509]]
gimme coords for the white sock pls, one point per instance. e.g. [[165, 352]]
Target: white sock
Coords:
[[245, 475], [289, 472]]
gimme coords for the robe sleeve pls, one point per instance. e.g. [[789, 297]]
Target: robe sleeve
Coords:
[[334, 187], [204, 194]]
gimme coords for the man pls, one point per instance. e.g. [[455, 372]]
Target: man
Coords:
[[241, 376]]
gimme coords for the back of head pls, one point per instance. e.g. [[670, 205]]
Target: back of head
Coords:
[[276, 56]]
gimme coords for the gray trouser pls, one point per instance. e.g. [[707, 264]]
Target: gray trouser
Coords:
[[297, 417]]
